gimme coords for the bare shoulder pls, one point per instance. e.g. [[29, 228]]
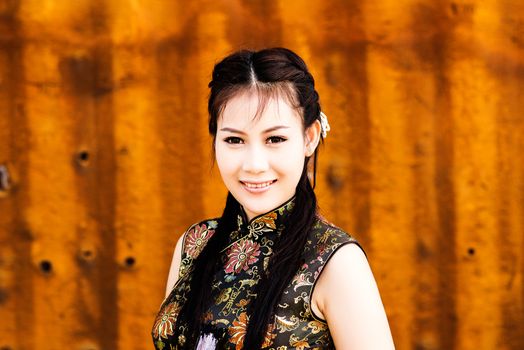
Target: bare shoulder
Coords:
[[348, 267], [349, 255], [347, 297]]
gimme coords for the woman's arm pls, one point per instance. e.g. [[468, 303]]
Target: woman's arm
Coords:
[[175, 266], [347, 297]]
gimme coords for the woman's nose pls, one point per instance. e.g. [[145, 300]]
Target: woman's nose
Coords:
[[255, 160]]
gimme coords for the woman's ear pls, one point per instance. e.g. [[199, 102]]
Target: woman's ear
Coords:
[[312, 137]]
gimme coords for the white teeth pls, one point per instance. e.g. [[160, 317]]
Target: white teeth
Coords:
[[265, 184]]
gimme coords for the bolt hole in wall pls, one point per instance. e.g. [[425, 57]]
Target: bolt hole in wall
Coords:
[[86, 256], [130, 261], [46, 266], [471, 251], [82, 158]]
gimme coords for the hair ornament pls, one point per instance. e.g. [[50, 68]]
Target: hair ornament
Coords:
[[324, 125]]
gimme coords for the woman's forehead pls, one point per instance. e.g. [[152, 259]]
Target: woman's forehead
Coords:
[[249, 110]]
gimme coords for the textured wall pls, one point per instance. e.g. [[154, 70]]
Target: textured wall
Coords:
[[105, 157]]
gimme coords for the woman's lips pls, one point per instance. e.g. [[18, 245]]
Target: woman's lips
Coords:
[[257, 187]]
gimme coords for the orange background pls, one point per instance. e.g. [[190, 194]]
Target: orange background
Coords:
[[105, 158]]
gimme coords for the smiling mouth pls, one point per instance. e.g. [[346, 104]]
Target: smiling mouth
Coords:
[[258, 185]]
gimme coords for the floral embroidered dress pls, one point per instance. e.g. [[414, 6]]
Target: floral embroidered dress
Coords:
[[295, 326]]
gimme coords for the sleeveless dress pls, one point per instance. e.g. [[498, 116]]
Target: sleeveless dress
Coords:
[[295, 326]]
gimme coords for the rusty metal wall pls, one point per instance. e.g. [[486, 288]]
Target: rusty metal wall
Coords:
[[105, 157]]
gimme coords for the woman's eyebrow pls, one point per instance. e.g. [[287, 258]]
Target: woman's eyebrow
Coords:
[[275, 128], [264, 132]]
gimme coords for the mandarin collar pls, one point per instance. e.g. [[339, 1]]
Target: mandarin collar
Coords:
[[273, 218]]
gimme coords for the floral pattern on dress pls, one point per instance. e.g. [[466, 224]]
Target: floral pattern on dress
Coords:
[[196, 239], [316, 326], [302, 278], [165, 321], [244, 260], [269, 220], [286, 325], [237, 332], [298, 343], [241, 255]]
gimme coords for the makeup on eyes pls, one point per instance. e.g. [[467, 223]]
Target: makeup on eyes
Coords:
[[231, 138], [276, 139], [280, 138]]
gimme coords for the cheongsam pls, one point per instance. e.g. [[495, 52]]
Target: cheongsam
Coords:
[[246, 256]]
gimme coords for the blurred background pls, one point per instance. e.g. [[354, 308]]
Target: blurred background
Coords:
[[105, 157]]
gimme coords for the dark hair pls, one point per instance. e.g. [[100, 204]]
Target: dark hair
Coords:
[[271, 72]]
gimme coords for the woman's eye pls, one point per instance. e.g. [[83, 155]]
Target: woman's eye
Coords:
[[233, 140], [276, 139]]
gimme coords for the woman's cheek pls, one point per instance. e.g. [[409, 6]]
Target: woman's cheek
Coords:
[[228, 162]]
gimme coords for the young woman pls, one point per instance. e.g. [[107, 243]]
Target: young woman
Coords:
[[270, 273]]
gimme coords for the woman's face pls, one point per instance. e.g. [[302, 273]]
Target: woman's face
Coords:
[[261, 159]]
